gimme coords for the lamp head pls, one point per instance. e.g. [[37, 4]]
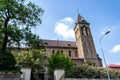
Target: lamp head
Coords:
[[107, 32]]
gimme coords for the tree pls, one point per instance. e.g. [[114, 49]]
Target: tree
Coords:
[[33, 41], [59, 61], [16, 19], [33, 59], [7, 61]]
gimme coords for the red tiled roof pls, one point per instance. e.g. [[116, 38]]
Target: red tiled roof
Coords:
[[114, 65], [59, 43]]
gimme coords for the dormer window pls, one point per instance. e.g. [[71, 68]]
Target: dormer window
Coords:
[[83, 20], [69, 44], [46, 43]]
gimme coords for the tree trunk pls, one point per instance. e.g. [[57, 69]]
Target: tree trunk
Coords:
[[5, 40]]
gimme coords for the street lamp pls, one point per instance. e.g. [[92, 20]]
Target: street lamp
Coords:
[[106, 68]]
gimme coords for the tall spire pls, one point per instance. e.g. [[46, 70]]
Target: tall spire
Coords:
[[81, 19]]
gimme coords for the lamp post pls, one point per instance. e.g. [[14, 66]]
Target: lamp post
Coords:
[[106, 68]]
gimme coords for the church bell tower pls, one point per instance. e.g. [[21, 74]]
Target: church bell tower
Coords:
[[84, 42]]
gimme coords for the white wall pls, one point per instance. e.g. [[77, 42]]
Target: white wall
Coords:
[[59, 74], [26, 73]]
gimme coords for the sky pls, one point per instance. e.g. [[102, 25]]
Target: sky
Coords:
[[60, 16]]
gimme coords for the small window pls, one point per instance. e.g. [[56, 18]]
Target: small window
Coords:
[[76, 55], [69, 53], [69, 44], [75, 64], [83, 20], [46, 43], [61, 51], [77, 29], [82, 32], [45, 50], [53, 51]]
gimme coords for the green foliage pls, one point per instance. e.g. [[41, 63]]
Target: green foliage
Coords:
[[32, 58], [33, 41], [112, 72], [88, 63], [7, 61], [59, 61], [85, 71], [16, 18]]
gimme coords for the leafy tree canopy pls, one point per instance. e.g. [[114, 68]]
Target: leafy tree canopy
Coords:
[[32, 58], [59, 61], [16, 20]]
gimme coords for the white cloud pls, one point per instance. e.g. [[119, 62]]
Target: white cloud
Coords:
[[62, 28], [116, 49], [67, 19]]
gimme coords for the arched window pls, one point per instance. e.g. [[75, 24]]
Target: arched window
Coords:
[[82, 32], [69, 44], [86, 31], [53, 51], [61, 51], [69, 53], [76, 55]]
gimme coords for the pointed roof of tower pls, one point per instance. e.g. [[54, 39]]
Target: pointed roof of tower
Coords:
[[81, 19]]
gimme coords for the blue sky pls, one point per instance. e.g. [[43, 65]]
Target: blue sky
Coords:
[[103, 15]]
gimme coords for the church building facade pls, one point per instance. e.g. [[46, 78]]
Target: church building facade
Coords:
[[81, 51]]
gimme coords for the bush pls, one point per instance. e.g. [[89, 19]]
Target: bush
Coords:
[[59, 61], [7, 61], [91, 72]]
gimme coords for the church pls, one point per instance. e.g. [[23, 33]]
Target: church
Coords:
[[81, 51]]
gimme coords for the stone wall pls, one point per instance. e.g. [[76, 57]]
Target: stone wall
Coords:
[[65, 51], [11, 78]]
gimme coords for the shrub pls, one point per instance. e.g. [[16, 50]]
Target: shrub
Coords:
[[7, 61], [91, 72]]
